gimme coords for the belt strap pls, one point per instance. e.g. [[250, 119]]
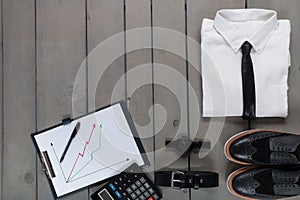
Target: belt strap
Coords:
[[186, 144], [186, 179]]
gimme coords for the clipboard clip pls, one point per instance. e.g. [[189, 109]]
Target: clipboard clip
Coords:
[[46, 164], [66, 120], [44, 168]]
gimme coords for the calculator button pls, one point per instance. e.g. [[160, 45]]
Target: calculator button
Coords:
[[155, 196], [118, 194], [124, 184], [150, 190], [133, 186], [138, 192], [120, 179], [142, 197], [135, 175], [116, 183], [129, 190], [142, 179], [124, 176], [150, 198], [133, 195], [147, 185], [112, 187], [138, 183], [142, 189], [124, 193], [146, 194], [120, 188], [128, 181]]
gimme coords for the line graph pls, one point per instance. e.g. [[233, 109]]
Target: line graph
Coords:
[[74, 174], [79, 155], [112, 165], [83, 152], [92, 156]]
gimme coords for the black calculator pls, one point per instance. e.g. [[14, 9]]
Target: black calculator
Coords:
[[131, 184]]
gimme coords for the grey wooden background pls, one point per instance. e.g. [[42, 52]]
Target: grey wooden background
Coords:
[[45, 41]]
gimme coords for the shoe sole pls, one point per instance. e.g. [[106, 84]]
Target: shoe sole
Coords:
[[230, 180], [236, 137]]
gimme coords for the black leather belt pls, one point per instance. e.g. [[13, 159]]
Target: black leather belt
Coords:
[[186, 145], [186, 179]]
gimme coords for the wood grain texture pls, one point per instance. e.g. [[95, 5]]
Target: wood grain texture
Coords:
[[60, 52], [1, 93], [286, 10], [172, 96], [105, 19], [215, 160], [19, 161], [61, 48], [140, 96]]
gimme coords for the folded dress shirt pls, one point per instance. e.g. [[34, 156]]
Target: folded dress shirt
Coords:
[[221, 40]]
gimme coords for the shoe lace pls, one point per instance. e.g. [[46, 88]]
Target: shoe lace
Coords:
[[282, 158], [286, 177]]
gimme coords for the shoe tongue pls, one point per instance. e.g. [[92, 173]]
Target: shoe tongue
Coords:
[[288, 143]]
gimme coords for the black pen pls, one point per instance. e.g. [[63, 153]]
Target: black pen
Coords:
[[75, 131]]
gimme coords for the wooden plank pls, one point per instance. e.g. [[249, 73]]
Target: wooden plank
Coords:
[[19, 161], [286, 10], [215, 160], [172, 96], [1, 105], [61, 49], [138, 14], [105, 18]]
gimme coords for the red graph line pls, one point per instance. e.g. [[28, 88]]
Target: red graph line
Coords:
[[82, 154]]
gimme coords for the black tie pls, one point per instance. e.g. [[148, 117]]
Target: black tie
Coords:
[[248, 83]]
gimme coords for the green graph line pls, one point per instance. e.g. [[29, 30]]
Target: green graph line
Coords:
[[92, 157]]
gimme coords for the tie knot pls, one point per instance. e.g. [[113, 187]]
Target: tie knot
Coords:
[[246, 48]]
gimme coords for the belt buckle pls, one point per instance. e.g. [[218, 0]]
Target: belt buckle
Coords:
[[173, 180]]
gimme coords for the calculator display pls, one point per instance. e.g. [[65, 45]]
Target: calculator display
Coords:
[[104, 195]]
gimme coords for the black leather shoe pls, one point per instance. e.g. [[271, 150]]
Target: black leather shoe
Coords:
[[264, 183], [264, 147]]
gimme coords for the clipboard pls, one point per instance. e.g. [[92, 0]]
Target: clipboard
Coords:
[[105, 144]]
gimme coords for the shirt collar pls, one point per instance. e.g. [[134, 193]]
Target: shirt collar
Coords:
[[232, 35]]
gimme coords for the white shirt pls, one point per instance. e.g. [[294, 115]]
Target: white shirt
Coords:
[[222, 39]]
